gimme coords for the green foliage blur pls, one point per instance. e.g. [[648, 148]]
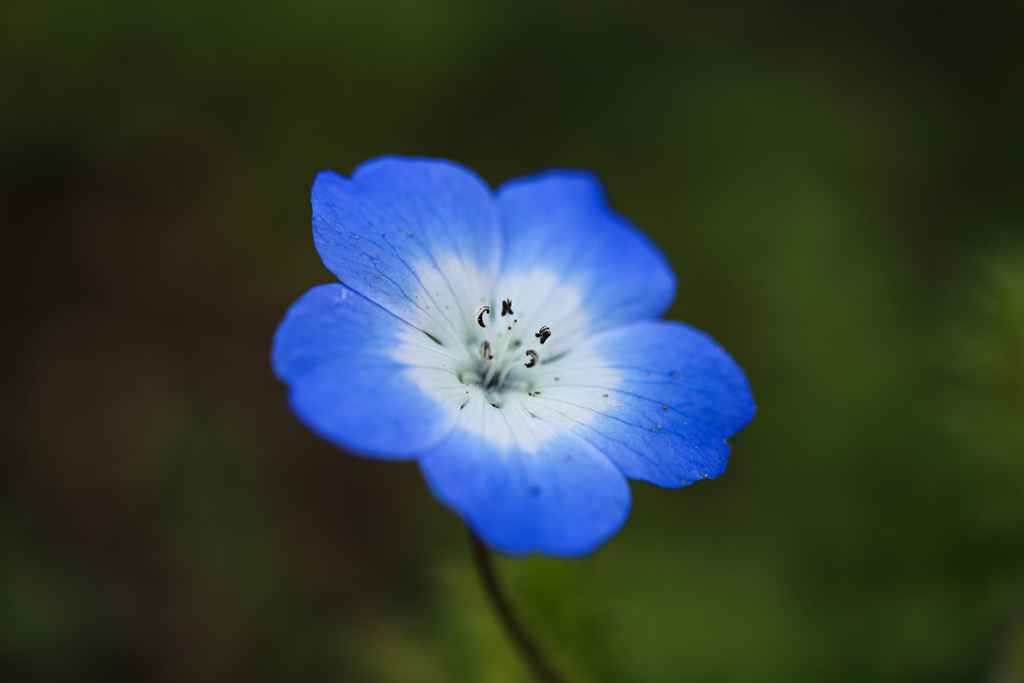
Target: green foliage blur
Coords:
[[840, 187]]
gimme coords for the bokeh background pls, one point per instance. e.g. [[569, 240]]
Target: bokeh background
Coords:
[[840, 187]]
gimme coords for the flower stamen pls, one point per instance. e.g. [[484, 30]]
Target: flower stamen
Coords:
[[480, 315], [509, 350]]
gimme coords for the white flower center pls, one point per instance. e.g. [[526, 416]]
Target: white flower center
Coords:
[[461, 350], [492, 372]]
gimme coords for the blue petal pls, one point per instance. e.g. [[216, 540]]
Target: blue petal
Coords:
[[563, 499], [335, 349], [399, 218], [562, 220], [678, 397]]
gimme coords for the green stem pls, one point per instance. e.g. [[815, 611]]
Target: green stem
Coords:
[[527, 649]]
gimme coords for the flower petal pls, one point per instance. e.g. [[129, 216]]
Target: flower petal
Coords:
[[338, 352], [676, 397], [561, 220], [550, 492], [417, 236]]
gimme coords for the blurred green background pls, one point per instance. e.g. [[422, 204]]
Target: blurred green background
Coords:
[[840, 187]]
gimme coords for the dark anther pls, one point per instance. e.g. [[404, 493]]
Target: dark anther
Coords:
[[506, 307], [485, 351], [544, 333], [533, 359], [480, 315]]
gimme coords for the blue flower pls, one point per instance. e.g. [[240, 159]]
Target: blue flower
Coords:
[[510, 343]]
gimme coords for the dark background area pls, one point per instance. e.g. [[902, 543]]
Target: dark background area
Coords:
[[839, 186]]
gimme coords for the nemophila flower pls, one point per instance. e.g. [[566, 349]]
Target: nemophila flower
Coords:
[[510, 343]]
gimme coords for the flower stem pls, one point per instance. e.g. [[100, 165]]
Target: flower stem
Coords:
[[527, 649]]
